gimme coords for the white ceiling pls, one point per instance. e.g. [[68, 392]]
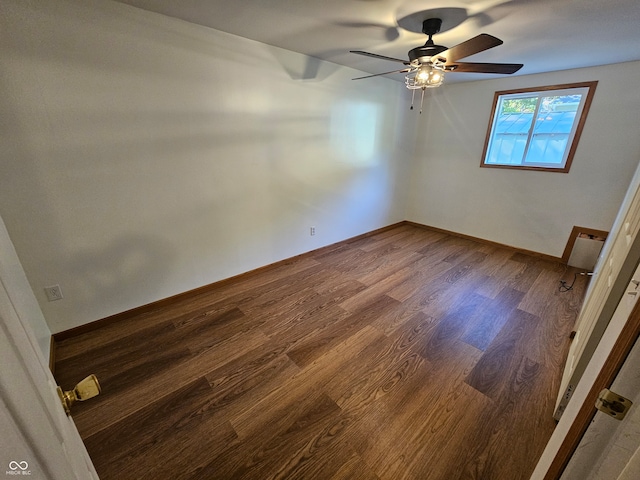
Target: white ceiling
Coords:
[[545, 35]]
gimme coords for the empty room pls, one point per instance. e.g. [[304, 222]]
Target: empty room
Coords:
[[357, 239]]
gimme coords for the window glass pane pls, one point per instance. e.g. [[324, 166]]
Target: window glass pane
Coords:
[[552, 129], [507, 149], [511, 129], [519, 104], [547, 148]]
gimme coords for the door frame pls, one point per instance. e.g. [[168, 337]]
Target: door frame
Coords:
[[44, 439], [615, 359]]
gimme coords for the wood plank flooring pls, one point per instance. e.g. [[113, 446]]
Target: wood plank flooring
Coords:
[[408, 354]]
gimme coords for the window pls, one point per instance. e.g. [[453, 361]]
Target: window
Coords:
[[537, 128]]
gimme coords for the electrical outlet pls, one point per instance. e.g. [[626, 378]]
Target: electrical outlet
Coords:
[[312, 231], [54, 293]]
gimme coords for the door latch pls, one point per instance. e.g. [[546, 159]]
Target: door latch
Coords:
[[613, 404], [84, 390]]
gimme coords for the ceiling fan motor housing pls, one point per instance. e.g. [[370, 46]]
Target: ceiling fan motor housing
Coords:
[[424, 53]]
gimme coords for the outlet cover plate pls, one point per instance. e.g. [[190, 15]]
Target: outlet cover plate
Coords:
[[54, 292]]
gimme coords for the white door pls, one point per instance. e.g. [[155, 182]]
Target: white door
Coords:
[[621, 333], [610, 449], [613, 271], [37, 439]]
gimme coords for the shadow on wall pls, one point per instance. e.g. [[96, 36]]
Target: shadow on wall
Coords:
[[303, 67], [121, 270]]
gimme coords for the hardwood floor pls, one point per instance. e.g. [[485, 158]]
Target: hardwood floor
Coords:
[[409, 354]]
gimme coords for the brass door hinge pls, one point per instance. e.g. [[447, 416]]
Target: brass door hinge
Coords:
[[613, 404]]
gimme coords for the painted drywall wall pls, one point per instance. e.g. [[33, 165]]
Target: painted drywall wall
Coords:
[[525, 209], [144, 156]]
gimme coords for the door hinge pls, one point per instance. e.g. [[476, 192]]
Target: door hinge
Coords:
[[613, 404]]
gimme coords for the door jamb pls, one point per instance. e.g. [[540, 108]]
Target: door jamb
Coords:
[[616, 358]]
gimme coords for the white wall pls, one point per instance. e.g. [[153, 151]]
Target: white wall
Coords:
[[525, 209], [145, 156]]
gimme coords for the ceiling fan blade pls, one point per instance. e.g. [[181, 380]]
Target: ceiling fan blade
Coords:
[[375, 55], [404, 70], [472, 46], [505, 68]]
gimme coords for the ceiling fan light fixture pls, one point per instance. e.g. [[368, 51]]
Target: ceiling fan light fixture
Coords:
[[426, 76]]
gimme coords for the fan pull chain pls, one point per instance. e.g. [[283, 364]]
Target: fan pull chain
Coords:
[[422, 99], [413, 95]]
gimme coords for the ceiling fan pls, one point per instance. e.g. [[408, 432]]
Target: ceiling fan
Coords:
[[428, 64]]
